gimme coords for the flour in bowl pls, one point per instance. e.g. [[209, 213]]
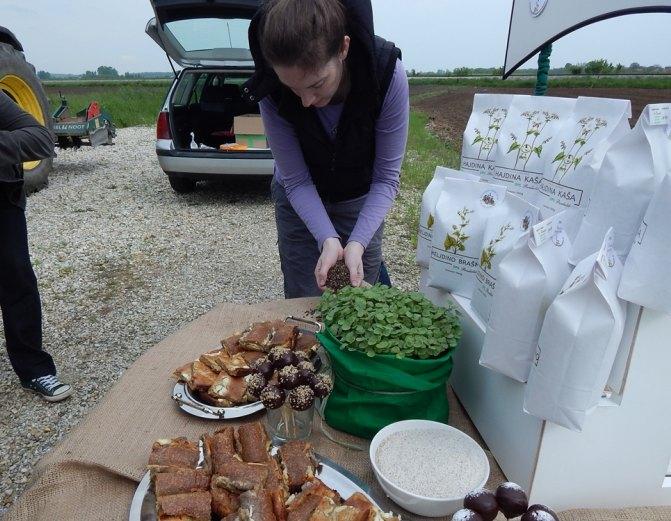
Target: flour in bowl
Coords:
[[431, 463]]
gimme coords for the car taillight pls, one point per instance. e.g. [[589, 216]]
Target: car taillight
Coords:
[[163, 126]]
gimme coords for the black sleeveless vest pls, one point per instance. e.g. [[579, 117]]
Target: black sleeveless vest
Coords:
[[341, 169]]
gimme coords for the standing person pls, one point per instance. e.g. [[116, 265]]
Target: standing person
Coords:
[[334, 101], [22, 138]]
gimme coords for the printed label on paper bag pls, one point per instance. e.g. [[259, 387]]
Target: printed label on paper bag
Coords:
[[548, 229], [606, 259], [659, 114], [640, 236]]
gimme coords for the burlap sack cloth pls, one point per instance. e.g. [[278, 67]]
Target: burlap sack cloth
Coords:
[[92, 474]]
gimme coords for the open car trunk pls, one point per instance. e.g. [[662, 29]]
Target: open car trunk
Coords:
[[204, 105]]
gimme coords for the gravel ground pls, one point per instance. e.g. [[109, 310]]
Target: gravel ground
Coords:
[[122, 262]]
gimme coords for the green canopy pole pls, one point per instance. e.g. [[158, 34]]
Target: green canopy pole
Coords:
[[543, 70]]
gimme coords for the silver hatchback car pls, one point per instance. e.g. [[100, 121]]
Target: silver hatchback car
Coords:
[[208, 39]]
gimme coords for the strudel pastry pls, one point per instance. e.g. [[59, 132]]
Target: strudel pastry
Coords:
[[253, 443], [172, 455], [224, 502], [194, 506], [256, 505], [298, 462], [237, 476], [218, 448], [181, 482]]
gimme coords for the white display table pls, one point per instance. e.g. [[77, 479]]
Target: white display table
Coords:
[[622, 457]]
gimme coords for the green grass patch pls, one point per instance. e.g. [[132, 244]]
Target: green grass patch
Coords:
[[424, 152], [637, 82], [127, 103]]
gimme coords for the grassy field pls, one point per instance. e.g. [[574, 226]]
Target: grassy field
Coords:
[[604, 82], [128, 103]]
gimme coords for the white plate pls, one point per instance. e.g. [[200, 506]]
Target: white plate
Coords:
[[189, 404], [143, 506]]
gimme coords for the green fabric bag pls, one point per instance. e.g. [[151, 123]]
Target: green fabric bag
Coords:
[[369, 393]]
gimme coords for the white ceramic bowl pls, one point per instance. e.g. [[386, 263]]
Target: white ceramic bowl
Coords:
[[421, 505]]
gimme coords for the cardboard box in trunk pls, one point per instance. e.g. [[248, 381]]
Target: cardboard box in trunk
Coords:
[[249, 131]]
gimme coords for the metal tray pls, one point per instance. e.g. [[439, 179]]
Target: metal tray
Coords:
[[181, 394], [143, 506]]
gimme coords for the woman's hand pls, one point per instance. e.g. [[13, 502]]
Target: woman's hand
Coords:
[[332, 252], [354, 262]]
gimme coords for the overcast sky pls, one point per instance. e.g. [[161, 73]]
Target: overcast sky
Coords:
[[72, 36]]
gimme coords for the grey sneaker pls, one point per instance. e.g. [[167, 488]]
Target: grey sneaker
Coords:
[[49, 387]]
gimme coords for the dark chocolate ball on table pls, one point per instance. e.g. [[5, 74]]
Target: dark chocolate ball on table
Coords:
[[288, 377], [256, 382], [265, 368], [305, 364], [301, 398], [466, 514], [512, 500], [306, 377], [540, 513], [483, 501], [288, 358], [276, 352], [302, 356], [272, 397], [322, 386]]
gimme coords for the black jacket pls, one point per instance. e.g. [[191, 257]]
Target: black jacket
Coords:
[[342, 169], [22, 138]]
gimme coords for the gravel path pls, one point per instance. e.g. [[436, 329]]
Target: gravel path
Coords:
[[122, 262]]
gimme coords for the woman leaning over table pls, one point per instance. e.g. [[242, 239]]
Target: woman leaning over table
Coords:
[[334, 102]]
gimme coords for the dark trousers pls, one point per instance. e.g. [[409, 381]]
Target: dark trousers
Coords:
[[299, 251], [20, 299]]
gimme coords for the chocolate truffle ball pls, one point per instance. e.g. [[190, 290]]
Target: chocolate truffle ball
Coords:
[[302, 356], [466, 514], [255, 384], [512, 500], [301, 398], [483, 501], [288, 358], [306, 364], [256, 363], [542, 513], [265, 368], [288, 377], [276, 352], [306, 377], [322, 386], [272, 397]]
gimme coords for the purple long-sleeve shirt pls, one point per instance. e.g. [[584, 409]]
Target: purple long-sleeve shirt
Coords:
[[291, 171]]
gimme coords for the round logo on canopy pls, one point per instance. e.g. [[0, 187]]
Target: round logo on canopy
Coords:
[[537, 7]]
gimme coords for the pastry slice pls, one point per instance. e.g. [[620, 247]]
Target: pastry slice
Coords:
[[231, 344], [202, 377], [257, 337], [181, 482], [251, 356], [218, 448], [253, 443], [212, 360], [237, 476], [236, 365], [224, 502], [307, 343], [283, 335], [373, 513], [277, 489], [232, 388], [204, 397], [301, 506], [172, 455], [194, 506], [256, 505], [298, 462], [183, 373]]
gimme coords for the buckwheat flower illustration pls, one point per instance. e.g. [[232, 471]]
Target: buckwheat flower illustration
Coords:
[[536, 123], [489, 252], [457, 239], [572, 157]]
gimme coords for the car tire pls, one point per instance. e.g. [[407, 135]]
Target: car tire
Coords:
[[19, 81], [182, 185]]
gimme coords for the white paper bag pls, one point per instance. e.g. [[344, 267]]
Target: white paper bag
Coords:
[[501, 233], [578, 342], [525, 139], [462, 212], [529, 278], [632, 169], [482, 133], [647, 272], [429, 200], [576, 152]]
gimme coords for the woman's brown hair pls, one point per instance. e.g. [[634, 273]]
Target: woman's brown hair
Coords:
[[302, 33]]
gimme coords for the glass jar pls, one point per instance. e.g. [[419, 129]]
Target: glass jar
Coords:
[[285, 424]]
